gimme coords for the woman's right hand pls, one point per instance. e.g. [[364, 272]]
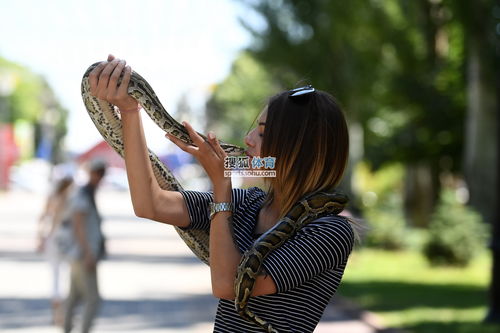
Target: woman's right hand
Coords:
[[104, 83], [40, 246]]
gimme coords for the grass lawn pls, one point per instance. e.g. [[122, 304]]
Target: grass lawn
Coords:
[[406, 292]]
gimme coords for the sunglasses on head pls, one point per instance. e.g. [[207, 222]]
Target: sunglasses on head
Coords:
[[301, 91]]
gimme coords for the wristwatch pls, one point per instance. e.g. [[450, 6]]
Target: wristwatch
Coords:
[[216, 207]]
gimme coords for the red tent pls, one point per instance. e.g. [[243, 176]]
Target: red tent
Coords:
[[104, 152]]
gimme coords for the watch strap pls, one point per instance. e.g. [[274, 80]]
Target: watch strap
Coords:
[[216, 207]]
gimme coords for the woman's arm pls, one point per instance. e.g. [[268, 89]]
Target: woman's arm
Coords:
[[148, 199], [224, 254], [42, 232]]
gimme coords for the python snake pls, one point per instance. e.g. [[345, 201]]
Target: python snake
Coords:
[[108, 122]]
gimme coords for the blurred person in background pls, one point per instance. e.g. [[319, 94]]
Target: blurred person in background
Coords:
[[88, 249], [49, 229]]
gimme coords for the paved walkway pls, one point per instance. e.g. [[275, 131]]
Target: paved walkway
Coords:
[[150, 283]]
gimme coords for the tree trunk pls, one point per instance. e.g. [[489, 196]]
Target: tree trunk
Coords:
[[419, 194], [482, 150], [481, 135], [493, 315], [356, 153]]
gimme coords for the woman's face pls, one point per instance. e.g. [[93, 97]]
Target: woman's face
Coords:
[[254, 138]]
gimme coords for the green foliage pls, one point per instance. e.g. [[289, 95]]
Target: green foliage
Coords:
[[423, 102], [237, 101], [28, 97], [26, 100], [331, 44], [456, 233], [23, 91], [387, 228], [381, 205], [397, 67]]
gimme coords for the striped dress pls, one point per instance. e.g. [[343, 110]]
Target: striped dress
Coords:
[[307, 269]]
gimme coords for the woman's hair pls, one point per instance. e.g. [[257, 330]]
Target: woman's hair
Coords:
[[62, 185], [308, 136]]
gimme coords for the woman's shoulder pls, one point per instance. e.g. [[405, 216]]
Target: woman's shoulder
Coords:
[[244, 194], [251, 190], [248, 196], [336, 226]]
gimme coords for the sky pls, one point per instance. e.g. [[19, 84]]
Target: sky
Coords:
[[182, 47]]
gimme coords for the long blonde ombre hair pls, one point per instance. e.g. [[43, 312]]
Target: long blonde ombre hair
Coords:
[[308, 136]]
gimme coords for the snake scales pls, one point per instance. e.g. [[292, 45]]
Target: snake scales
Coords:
[[107, 120]]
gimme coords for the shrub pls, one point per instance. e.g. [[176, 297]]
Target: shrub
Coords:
[[386, 224], [386, 230], [382, 207], [456, 233]]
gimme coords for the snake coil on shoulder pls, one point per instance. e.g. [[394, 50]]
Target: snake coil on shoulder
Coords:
[[108, 122]]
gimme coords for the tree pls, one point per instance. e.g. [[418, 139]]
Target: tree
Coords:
[[481, 21], [28, 98], [397, 66], [237, 101], [422, 77], [320, 42]]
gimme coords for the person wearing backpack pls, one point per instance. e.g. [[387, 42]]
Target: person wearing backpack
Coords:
[[87, 251]]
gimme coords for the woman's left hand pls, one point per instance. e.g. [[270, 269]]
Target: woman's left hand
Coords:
[[208, 152], [104, 85]]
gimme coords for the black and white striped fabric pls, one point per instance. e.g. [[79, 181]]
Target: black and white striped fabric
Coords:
[[307, 269]]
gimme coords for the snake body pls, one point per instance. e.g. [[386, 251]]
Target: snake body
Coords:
[[306, 210], [108, 122]]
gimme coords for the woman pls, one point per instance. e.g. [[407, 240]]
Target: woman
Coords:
[[49, 226], [306, 132]]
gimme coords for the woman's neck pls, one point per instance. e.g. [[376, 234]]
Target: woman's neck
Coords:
[[275, 205]]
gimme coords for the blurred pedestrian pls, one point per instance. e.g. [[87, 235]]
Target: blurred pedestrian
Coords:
[[50, 223], [89, 249]]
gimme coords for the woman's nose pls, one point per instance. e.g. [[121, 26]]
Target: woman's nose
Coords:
[[248, 141]]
